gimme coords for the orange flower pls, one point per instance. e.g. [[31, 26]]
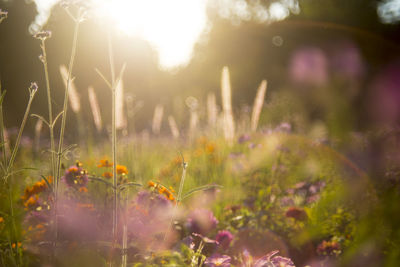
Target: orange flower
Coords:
[[107, 175], [105, 163], [83, 189], [1, 219], [121, 169], [32, 201], [19, 244], [151, 184]]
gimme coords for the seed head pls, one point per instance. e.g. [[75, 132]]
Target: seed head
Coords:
[[33, 88], [42, 35], [3, 15]]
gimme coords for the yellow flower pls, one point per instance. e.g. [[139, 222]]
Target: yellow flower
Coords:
[[121, 169]]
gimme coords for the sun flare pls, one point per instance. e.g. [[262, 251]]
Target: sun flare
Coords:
[[172, 27]]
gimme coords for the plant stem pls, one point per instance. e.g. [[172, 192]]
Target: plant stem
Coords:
[[51, 128], [8, 181], [63, 121], [179, 198], [113, 140], [2, 137]]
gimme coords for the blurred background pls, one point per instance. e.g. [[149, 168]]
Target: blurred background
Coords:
[[333, 63]]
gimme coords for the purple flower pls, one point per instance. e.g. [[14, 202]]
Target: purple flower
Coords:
[[201, 221], [75, 176], [224, 238], [218, 260], [309, 66]]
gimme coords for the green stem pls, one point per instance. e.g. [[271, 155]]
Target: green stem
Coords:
[[2, 137], [46, 72], [179, 199], [113, 140], [63, 121]]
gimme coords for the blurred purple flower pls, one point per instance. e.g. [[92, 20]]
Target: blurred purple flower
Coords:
[[243, 138], [224, 238], [201, 221], [385, 96], [309, 66], [347, 60], [218, 260]]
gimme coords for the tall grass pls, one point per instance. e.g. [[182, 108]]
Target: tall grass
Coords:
[[157, 119], [174, 127], [94, 105], [226, 93], [258, 104]]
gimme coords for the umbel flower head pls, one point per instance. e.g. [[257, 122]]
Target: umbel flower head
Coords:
[[42, 35]]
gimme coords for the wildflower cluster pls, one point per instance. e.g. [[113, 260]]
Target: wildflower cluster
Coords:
[[162, 190], [122, 171], [31, 193], [76, 176]]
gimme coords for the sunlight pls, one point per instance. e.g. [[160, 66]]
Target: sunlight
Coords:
[[172, 27]]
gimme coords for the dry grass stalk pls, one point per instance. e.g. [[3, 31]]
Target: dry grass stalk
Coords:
[[94, 105], [38, 130], [120, 120], [157, 119], [258, 104], [73, 96], [194, 120], [226, 93], [174, 127], [212, 111]]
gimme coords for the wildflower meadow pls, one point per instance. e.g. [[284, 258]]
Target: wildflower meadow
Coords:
[[234, 169]]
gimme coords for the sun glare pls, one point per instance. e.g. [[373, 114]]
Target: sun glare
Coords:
[[172, 27]]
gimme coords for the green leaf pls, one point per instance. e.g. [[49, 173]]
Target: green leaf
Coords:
[[101, 180], [122, 186], [48, 183], [200, 188]]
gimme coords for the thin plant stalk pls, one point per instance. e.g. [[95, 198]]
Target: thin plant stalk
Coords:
[[49, 104], [2, 133], [7, 172], [179, 198], [113, 140], [112, 85], [63, 122]]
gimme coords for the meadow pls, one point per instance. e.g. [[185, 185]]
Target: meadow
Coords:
[[263, 186]]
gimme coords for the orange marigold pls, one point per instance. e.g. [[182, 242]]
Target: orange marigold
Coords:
[[105, 163], [83, 189], [121, 169]]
